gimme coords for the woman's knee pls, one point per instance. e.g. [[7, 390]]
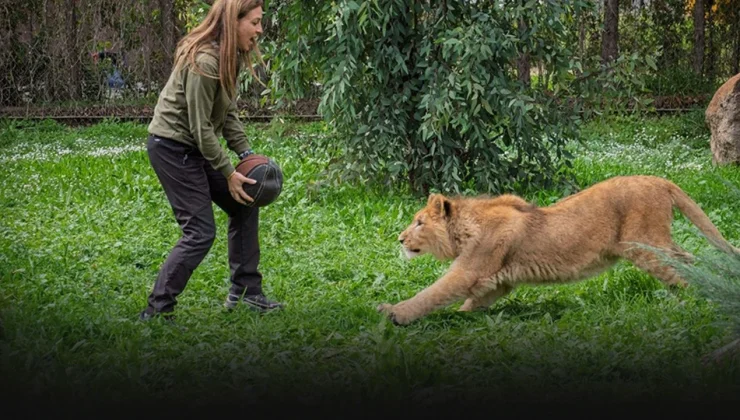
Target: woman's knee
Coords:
[[200, 230], [204, 236]]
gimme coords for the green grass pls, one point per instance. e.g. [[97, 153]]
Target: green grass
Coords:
[[85, 226]]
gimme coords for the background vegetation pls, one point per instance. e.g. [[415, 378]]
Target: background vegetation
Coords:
[[442, 95]]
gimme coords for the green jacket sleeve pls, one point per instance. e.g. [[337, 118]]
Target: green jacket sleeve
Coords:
[[234, 131], [200, 92]]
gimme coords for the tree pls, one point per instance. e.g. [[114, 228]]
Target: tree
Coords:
[[610, 38], [523, 62], [698, 37], [430, 91]]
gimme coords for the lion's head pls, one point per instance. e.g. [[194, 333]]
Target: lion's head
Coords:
[[428, 233]]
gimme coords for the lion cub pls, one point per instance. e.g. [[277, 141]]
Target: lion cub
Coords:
[[498, 243]]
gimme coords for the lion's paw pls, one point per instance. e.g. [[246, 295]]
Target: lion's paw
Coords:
[[387, 309], [384, 308]]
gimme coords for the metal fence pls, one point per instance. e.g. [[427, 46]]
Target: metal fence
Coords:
[[93, 59]]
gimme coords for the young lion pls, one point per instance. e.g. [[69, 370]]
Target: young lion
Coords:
[[501, 242]]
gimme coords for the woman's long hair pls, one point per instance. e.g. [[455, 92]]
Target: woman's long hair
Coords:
[[220, 25]]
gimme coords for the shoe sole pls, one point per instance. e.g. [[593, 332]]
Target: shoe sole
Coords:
[[168, 320], [252, 307]]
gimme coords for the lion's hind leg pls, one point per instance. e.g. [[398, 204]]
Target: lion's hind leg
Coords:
[[681, 254], [654, 263], [646, 241]]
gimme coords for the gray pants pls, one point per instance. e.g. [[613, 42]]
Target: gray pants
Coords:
[[191, 185]]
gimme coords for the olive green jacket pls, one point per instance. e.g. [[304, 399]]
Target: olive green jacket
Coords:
[[195, 110]]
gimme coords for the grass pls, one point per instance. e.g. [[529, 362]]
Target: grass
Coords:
[[85, 226]]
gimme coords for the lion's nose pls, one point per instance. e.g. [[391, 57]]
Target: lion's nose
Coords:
[[400, 240]]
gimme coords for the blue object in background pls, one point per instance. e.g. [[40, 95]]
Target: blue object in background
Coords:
[[115, 80]]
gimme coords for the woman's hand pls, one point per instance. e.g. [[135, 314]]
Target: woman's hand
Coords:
[[236, 188]]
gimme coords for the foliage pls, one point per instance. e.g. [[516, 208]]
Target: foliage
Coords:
[[427, 91], [192, 12], [716, 275], [294, 34], [665, 30], [676, 81]]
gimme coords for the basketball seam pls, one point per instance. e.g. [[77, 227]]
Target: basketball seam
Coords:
[[259, 190]]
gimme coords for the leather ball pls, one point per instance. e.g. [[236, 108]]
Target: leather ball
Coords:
[[269, 179]]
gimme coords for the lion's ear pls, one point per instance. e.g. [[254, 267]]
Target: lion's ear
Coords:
[[433, 198], [440, 205]]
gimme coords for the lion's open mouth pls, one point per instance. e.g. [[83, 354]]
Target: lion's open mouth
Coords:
[[410, 253]]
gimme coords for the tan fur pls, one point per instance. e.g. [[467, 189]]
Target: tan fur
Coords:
[[499, 243]]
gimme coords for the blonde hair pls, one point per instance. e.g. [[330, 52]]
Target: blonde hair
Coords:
[[220, 26]]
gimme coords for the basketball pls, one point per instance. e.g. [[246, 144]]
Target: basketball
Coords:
[[269, 179]]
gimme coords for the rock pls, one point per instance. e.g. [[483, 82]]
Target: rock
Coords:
[[723, 118]]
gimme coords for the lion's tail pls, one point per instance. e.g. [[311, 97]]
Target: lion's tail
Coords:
[[696, 215]]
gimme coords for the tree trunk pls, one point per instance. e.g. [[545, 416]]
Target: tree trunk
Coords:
[[522, 63], [72, 56], [711, 56], [148, 44], [53, 21], [9, 88], [736, 50], [699, 37], [610, 39], [168, 26], [48, 92], [582, 38], [663, 23]]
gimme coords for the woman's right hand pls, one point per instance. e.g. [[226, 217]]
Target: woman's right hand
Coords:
[[236, 188]]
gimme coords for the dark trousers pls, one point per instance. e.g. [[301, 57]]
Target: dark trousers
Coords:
[[191, 185]]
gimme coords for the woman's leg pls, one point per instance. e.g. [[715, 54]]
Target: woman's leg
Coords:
[[244, 247], [180, 172]]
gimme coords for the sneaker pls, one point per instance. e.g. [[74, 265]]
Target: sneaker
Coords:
[[146, 316], [257, 302]]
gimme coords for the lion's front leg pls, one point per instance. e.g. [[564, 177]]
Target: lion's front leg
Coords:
[[449, 288], [482, 302]]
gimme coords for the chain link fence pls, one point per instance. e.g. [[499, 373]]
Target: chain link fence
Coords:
[[95, 59]]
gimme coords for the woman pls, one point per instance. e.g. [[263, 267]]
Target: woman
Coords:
[[196, 106]]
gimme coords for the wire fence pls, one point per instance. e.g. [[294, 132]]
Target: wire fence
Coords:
[[85, 60]]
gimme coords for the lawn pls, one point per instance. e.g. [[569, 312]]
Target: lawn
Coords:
[[85, 226]]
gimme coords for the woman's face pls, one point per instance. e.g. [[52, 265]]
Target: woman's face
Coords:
[[250, 27]]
